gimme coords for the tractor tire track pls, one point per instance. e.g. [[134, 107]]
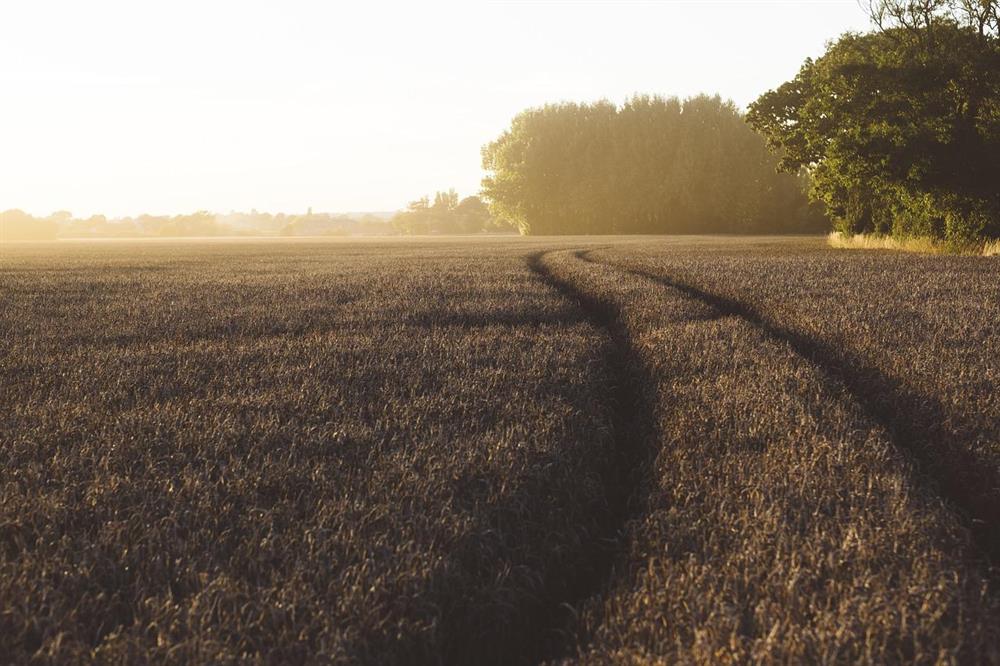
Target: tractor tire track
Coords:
[[629, 477], [974, 498]]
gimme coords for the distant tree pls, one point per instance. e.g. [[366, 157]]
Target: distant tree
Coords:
[[60, 217], [472, 215], [445, 202], [372, 224], [654, 165], [95, 225], [199, 223], [415, 219], [447, 215], [16, 225]]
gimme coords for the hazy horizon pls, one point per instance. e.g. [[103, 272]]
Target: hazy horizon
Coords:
[[121, 109]]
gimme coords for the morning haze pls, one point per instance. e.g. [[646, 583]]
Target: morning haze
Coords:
[[124, 110]]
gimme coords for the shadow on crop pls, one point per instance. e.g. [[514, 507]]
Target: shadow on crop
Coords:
[[956, 473], [626, 479]]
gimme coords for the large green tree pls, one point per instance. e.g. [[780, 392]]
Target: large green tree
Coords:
[[900, 127]]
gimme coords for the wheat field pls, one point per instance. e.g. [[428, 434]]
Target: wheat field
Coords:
[[497, 450]]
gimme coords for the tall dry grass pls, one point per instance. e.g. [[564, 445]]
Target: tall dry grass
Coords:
[[921, 245], [991, 249]]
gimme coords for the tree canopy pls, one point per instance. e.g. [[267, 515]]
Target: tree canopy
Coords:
[[900, 127], [652, 165]]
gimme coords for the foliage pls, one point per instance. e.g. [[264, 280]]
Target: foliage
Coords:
[[654, 165], [199, 223], [447, 215], [900, 127]]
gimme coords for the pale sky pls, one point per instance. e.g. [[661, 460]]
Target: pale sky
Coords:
[[126, 107]]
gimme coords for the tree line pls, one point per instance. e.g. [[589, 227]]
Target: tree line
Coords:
[[894, 131], [17, 225], [651, 165], [446, 215]]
